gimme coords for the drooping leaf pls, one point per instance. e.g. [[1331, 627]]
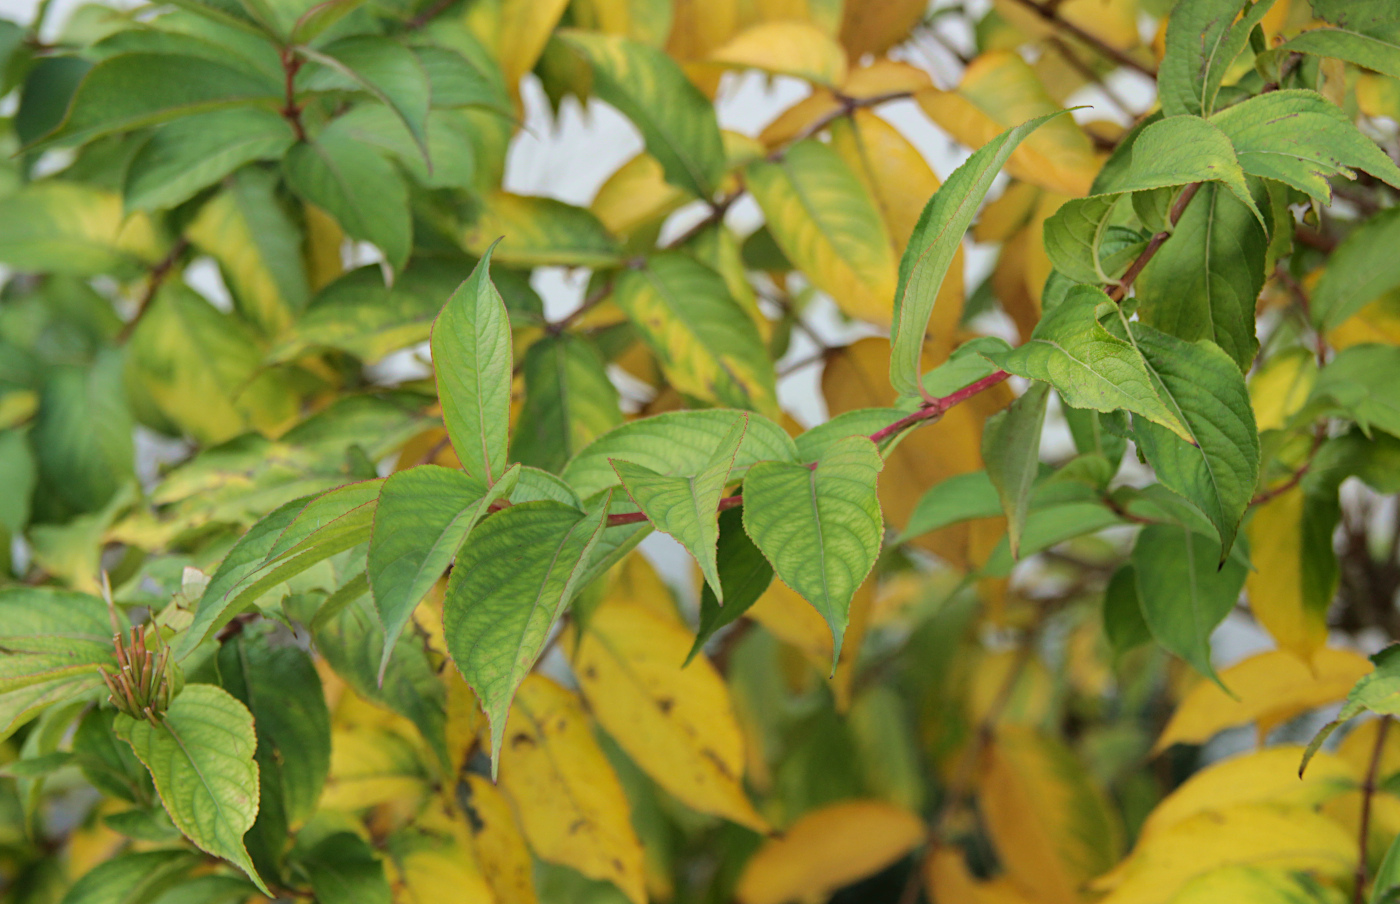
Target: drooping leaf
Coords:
[[819, 526], [707, 344], [743, 573], [677, 724], [500, 848], [1184, 590], [936, 239], [1295, 568], [1179, 150], [201, 758], [1011, 449], [569, 402], [193, 152], [423, 516], [513, 579], [1378, 691], [1203, 39], [380, 65], [687, 507], [571, 805], [793, 48], [1367, 34], [451, 157], [473, 360], [676, 120]]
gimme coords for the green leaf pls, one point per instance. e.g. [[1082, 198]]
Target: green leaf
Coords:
[[1186, 587], [687, 507], [569, 401], [1089, 366], [1387, 882], [82, 436], [1086, 244], [1364, 267], [70, 228], [707, 344], [1123, 623], [539, 232], [450, 162], [201, 758], [1050, 525], [282, 545], [1203, 39], [459, 81], [342, 867], [471, 348], [130, 878], [937, 237], [675, 443], [1203, 282], [194, 152], [676, 120], [1179, 150], [353, 644], [1377, 692], [962, 497], [383, 67], [321, 17], [201, 370], [132, 90], [248, 231], [743, 575], [1011, 450], [353, 183], [1361, 380], [513, 579], [1302, 139], [54, 642], [423, 517], [819, 526], [1367, 34]]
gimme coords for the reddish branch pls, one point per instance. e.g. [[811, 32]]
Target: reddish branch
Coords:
[[1119, 291], [159, 272], [291, 110]]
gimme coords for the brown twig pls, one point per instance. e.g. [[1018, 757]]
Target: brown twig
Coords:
[[849, 105], [1368, 791], [1319, 436], [1052, 16], [291, 110], [595, 298], [159, 272]]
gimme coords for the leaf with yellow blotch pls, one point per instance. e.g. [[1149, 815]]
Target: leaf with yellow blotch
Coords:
[[1053, 829], [1005, 215], [1268, 776], [427, 868], [571, 806], [636, 195], [799, 49], [1252, 884], [794, 621], [500, 848], [536, 232], [1280, 387], [677, 724], [947, 879], [648, 21], [1270, 688], [826, 849], [876, 27], [464, 719], [371, 766], [1115, 22], [1284, 838], [897, 177], [1295, 569], [517, 30], [828, 226], [1378, 321], [1000, 90], [857, 376], [879, 78]]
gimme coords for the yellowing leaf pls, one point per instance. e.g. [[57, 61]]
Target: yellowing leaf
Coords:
[[636, 195], [1378, 321], [948, 879], [677, 724], [370, 766], [571, 806], [1285, 594], [634, 582], [427, 869], [1003, 217], [828, 226], [1053, 829], [1030, 698], [499, 846], [897, 177], [1271, 687], [827, 849], [464, 718], [324, 240], [880, 77], [999, 90], [1246, 883], [1264, 776], [1283, 838], [1359, 745], [876, 27], [648, 21], [798, 49], [538, 232], [1279, 388], [517, 29], [794, 621], [1112, 21]]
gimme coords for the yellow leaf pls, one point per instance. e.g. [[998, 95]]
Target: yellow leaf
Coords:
[[792, 620], [677, 724], [1012, 286], [1360, 744], [1003, 217], [1245, 883], [636, 195], [1271, 687], [500, 848], [880, 77], [857, 376], [896, 176], [428, 869], [798, 49], [1030, 698], [1260, 835], [464, 719], [538, 232], [648, 21], [1053, 830], [371, 766], [826, 849], [517, 29], [828, 226], [1280, 581], [1279, 388], [1378, 321], [876, 27], [324, 240], [1264, 776], [568, 798], [949, 880], [1378, 95], [1000, 90], [634, 582], [1112, 21]]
